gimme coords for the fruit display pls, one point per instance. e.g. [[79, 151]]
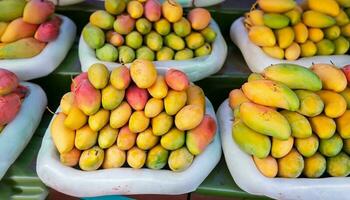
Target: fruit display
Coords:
[[285, 30], [294, 121], [132, 118], [148, 30], [26, 27]]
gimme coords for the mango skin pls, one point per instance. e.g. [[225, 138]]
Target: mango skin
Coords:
[[315, 34], [281, 148], [136, 158], [98, 75], [112, 97], [126, 139], [159, 89], [341, 45], [11, 10], [315, 166], [182, 27], [85, 138], [175, 42], [343, 125], [136, 97], [120, 78], [189, 117], [265, 120], [161, 124], [267, 166], [332, 146], [102, 19], [174, 101], [346, 146], [308, 49], [328, 7], [138, 122], [275, 21], [153, 107], [143, 73], [316, 19], [293, 51], [335, 104], [165, 53], [23, 48], [120, 116], [276, 6], [115, 7], [262, 36], [203, 50], [93, 36], [177, 80], [71, 158], [180, 159], [162, 27], [62, 137], [135, 9], [236, 98], [145, 53], [173, 139], [152, 10], [307, 147], [107, 53], [195, 96], [274, 52], [126, 54], [323, 126], [75, 119], [209, 34], [143, 26], [310, 103], [291, 166], [87, 98], [114, 158], [339, 165], [124, 24], [332, 78], [91, 159], [99, 120], [300, 126], [66, 102], [18, 29], [271, 93], [285, 37], [199, 18], [194, 40], [107, 137], [256, 17], [146, 139], [325, 47], [154, 41], [157, 157], [294, 15]]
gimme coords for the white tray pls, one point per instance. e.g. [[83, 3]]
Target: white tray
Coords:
[[125, 181], [66, 2], [49, 59], [194, 3], [196, 68], [257, 60], [248, 177], [16, 135]]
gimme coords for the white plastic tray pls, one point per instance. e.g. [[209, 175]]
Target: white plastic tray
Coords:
[[194, 3], [66, 2], [16, 135], [248, 177], [196, 68], [49, 59], [257, 60], [125, 181]]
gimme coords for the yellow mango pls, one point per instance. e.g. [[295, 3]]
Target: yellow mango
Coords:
[[325, 47], [332, 77], [338, 166], [236, 98], [62, 137], [331, 146], [195, 96], [335, 104], [143, 73], [71, 158], [315, 166], [157, 157], [273, 6], [345, 30], [292, 52], [267, 166], [291, 165], [341, 45], [111, 97], [91, 159], [174, 139], [294, 15], [126, 139], [189, 117], [161, 124], [138, 122], [98, 120], [136, 158], [323, 126], [153, 107], [262, 36], [316, 19], [285, 37], [301, 32], [120, 116], [307, 146], [255, 76], [114, 158], [315, 34], [66, 102], [256, 17], [300, 126], [146, 139], [346, 95], [98, 74], [180, 159], [274, 52], [343, 125], [308, 49], [310, 103], [85, 138], [159, 89], [332, 32], [342, 18], [281, 148], [75, 119], [328, 7], [346, 145], [174, 101], [107, 137]]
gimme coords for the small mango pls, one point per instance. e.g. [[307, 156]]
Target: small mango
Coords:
[[338, 166], [120, 116], [93, 36], [91, 159], [267, 166], [120, 78], [136, 158], [135, 9], [274, 52], [62, 137], [172, 140], [291, 165], [311, 104], [71, 158], [146, 139], [315, 34], [332, 77], [98, 120], [102, 19], [75, 119], [332, 146], [126, 139], [328, 7], [189, 117], [281, 148], [276, 6], [262, 36], [300, 126], [172, 10], [343, 125], [126, 54], [315, 166], [316, 19], [162, 27], [67, 102], [308, 49], [275, 21], [152, 10], [325, 47], [346, 95], [87, 98], [85, 138], [342, 45], [114, 158], [159, 89], [111, 97], [145, 53], [165, 53], [307, 146], [143, 73], [292, 52], [174, 101], [153, 107], [98, 75], [107, 137], [195, 96], [136, 97], [180, 159], [143, 26], [184, 54], [335, 104], [124, 24], [175, 42], [138, 122], [323, 126], [285, 37]]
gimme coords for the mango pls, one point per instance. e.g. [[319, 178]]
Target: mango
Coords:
[[126, 54], [138, 122], [332, 32], [107, 53], [136, 97], [177, 80], [120, 116], [275, 21], [174, 101], [307, 146], [98, 75], [107, 137], [153, 107], [154, 41], [10, 105], [344, 3], [62, 137], [85, 138], [267, 166], [310, 103], [18, 29], [143, 73], [175, 42], [66, 102], [172, 11], [291, 165], [136, 158], [256, 17], [126, 138], [174, 139], [88, 98], [262, 36], [99, 120], [316, 19], [301, 32], [146, 139], [8, 82], [71, 158], [315, 166], [343, 125], [294, 15], [331, 146], [184, 54], [341, 45], [271, 93], [143, 26], [161, 124], [115, 7], [93, 36], [152, 10], [195, 96], [194, 40], [276, 6], [209, 34], [111, 97], [292, 52], [339, 165], [293, 76], [180, 159], [285, 37], [315, 34], [345, 30], [77, 81], [162, 27], [203, 50], [38, 11], [23, 48], [325, 47], [328, 7], [157, 157], [114, 38], [91, 159], [165, 53], [189, 117], [255, 76], [332, 78], [182, 27], [236, 98], [145, 53], [135, 9], [274, 52], [265, 120], [342, 18], [335, 104], [300, 126], [102, 19], [124, 24], [134, 40], [3, 26], [114, 158], [323, 126], [75, 119], [346, 145], [346, 95], [11, 9], [120, 78], [281, 148], [159, 89], [308, 49]]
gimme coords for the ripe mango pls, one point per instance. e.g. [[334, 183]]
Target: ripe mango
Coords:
[[93, 36], [344, 3], [120, 116], [281, 148], [98, 120], [107, 137], [114, 158], [262, 36], [275, 21], [323, 126], [126, 139], [315, 166], [152, 10], [177, 80], [209, 34], [203, 50], [165, 53], [145, 53], [98, 75], [180, 159], [136, 97], [335, 104], [316, 19], [38, 11], [236, 98], [85, 138], [62, 137], [315, 34], [172, 140], [87, 98], [154, 41], [18, 29], [345, 30], [3, 26], [71, 158], [135, 9], [293, 76], [161, 124], [267, 166], [276, 6], [331, 146], [126, 54], [291, 166], [11, 9], [143, 26], [328, 7], [134, 40], [195, 96], [182, 27], [162, 27], [146, 139], [310, 103], [338, 166], [157, 157], [107, 53], [307, 146], [75, 119], [143, 73], [66, 102], [325, 47], [332, 77], [308, 49], [199, 18], [300, 126], [175, 42], [124, 24], [271, 93], [254, 77], [256, 17], [343, 125], [8, 82], [341, 45], [342, 18], [76, 82], [174, 101], [138, 122], [184, 54], [159, 89], [114, 38], [115, 7], [292, 52], [346, 95], [285, 37], [102, 19], [91, 159], [120, 78], [189, 117], [153, 107], [332, 32], [23, 48], [294, 15], [274, 52], [112, 97], [265, 120], [136, 158]]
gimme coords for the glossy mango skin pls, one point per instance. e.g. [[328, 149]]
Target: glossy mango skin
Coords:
[[236, 98], [281, 148], [126, 139], [332, 77], [180, 159], [267, 166], [274, 52], [332, 146], [146, 139], [98, 75], [339, 165], [136, 158], [161, 124], [275, 21], [70, 158], [343, 125], [189, 117], [335, 104], [195, 96], [307, 146], [112, 97], [66, 102], [315, 166], [291, 166], [107, 137], [157, 157], [323, 126], [329, 7], [174, 101], [285, 37], [120, 116], [300, 126], [276, 6], [85, 138], [75, 119], [99, 120], [159, 89], [91, 159], [114, 158], [311, 104], [262, 36], [172, 140], [316, 19]]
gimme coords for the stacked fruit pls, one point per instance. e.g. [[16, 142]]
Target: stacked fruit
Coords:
[[133, 116], [285, 30], [26, 27], [294, 120], [146, 29], [11, 96]]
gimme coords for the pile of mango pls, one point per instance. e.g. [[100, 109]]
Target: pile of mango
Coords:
[[132, 117], [285, 30], [147, 29], [295, 120], [11, 97], [26, 27]]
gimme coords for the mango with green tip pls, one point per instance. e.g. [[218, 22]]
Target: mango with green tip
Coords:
[[328, 7], [136, 158], [71, 158], [300, 126], [311, 104], [23, 48], [325, 47], [153, 107], [276, 6], [115, 7], [236, 98], [203, 50], [146, 139], [91, 159], [165, 53], [107, 137], [93, 36], [98, 120], [195, 96], [154, 41], [145, 53], [339, 165], [316, 19], [143, 73], [124, 24], [307, 146], [162, 27], [85, 138], [343, 125], [323, 126], [189, 117], [152, 10], [143, 26], [281, 148], [315, 166], [75, 119], [11, 9], [87, 98], [346, 95], [114, 158], [267, 166], [107, 53], [209, 34], [111, 97], [159, 89], [274, 52], [332, 146], [341, 45], [291, 165], [174, 101], [62, 137], [335, 104], [126, 54], [275, 21], [102, 19], [135, 9], [285, 37], [173, 139], [157, 157], [184, 54], [315, 34], [136, 97], [120, 116], [262, 36], [180, 159], [175, 42], [308, 49], [294, 16], [138, 122], [98, 75], [332, 32], [182, 27], [67, 102], [126, 138]]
